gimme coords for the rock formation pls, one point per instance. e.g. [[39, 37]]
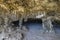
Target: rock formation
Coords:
[[12, 10], [25, 7]]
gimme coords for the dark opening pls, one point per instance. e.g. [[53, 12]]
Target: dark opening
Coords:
[[33, 23], [56, 23], [32, 20], [15, 23], [56, 26]]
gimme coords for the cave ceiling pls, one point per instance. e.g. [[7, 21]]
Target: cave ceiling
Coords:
[[30, 5]]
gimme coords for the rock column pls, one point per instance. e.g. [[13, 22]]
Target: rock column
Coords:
[[47, 24]]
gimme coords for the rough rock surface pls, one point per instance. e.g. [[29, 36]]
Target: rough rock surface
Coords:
[[10, 33], [22, 8], [17, 9]]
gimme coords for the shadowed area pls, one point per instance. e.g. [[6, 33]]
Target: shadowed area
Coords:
[[15, 23]]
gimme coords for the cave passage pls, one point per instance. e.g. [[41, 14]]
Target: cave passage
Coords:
[[34, 26], [32, 20], [35, 30], [32, 23]]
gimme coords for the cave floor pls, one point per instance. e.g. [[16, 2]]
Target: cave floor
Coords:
[[35, 33]]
